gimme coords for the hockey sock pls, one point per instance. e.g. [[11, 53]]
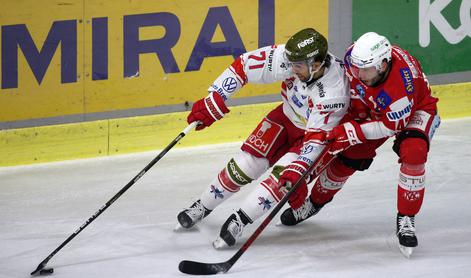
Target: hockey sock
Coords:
[[330, 181], [262, 198], [411, 188], [239, 171]]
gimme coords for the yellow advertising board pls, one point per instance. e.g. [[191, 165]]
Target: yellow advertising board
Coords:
[[80, 57]]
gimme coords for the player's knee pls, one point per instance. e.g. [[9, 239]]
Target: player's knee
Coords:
[[413, 151], [245, 164]]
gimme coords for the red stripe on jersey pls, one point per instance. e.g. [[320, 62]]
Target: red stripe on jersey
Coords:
[[226, 182], [283, 86], [238, 68], [283, 92]]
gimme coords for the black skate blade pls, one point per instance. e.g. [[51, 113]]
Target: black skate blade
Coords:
[[197, 268]]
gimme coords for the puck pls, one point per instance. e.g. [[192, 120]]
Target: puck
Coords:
[[46, 271]]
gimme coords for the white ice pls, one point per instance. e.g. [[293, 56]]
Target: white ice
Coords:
[[41, 205]]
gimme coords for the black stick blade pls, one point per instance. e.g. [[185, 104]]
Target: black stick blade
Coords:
[[38, 269], [197, 268]]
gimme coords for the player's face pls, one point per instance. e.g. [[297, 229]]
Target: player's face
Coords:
[[369, 76], [301, 69]]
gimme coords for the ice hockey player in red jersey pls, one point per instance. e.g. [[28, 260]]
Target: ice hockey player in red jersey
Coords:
[[390, 97], [315, 95]]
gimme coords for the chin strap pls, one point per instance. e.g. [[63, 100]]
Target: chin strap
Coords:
[[311, 72]]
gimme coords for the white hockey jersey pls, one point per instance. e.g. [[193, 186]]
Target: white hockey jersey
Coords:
[[318, 106]]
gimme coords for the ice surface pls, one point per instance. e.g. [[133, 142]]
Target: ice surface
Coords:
[[41, 205]]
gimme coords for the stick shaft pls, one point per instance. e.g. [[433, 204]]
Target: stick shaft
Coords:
[[116, 196]]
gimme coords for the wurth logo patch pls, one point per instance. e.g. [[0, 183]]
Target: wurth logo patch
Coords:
[[330, 106]]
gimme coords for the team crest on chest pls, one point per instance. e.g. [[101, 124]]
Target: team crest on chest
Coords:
[[360, 91], [383, 100]]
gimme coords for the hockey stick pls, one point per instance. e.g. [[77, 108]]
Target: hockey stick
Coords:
[[41, 267], [199, 268]]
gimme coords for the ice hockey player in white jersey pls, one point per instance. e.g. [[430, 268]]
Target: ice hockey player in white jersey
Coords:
[[315, 95]]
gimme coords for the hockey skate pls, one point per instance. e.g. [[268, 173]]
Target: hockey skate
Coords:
[[405, 231], [231, 230], [192, 215], [291, 217]]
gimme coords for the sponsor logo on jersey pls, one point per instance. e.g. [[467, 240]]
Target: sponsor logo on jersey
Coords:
[[416, 120], [296, 101], [306, 42], [217, 193], [360, 90], [265, 126], [265, 203], [304, 159], [264, 136], [402, 113], [320, 87], [289, 84], [270, 60], [383, 100], [219, 91], [330, 106], [295, 88], [407, 80], [307, 149], [229, 84]]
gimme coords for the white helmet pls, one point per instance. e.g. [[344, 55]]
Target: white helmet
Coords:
[[370, 50]]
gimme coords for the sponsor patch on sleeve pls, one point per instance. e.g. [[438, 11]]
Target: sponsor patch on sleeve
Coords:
[[407, 80]]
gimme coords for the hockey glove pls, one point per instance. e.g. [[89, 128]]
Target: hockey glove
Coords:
[[290, 175], [344, 136], [208, 110]]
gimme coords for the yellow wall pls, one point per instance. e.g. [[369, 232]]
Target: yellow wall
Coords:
[[152, 87], [118, 136]]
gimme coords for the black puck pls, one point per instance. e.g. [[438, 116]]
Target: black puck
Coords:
[[46, 271]]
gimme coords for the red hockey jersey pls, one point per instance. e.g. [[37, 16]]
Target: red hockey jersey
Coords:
[[394, 101]]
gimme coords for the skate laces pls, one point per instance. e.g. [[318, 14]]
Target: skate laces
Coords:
[[304, 211], [196, 211], [236, 226], [406, 225]]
